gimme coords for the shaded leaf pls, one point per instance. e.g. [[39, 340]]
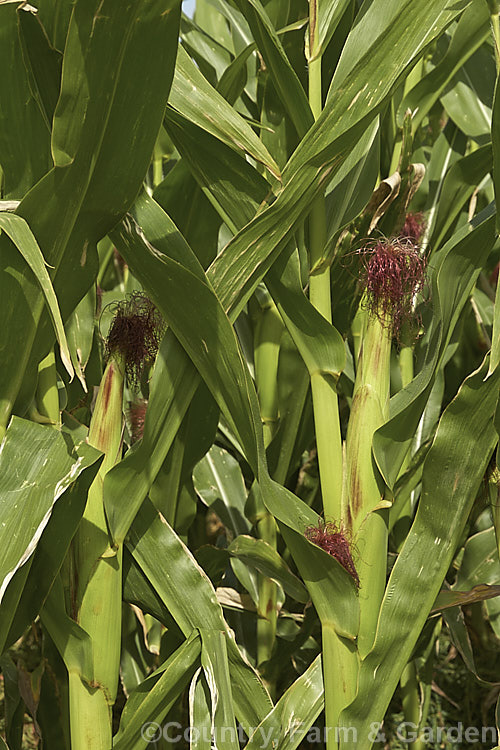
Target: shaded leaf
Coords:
[[149, 703], [260, 555], [455, 598]]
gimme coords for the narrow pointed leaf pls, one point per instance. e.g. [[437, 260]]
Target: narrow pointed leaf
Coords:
[[293, 715], [149, 703], [283, 75], [170, 567], [22, 237], [479, 593], [199, 102], [471, 31]]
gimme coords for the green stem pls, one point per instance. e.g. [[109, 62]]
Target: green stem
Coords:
[[268, 332], [325, 399], [406, 365], [357, 332], [494, 7], [267, 607], [339, 656], [340, 669], [399, 511], [410, 694], [494, 493], [97, 588], [157, 166]]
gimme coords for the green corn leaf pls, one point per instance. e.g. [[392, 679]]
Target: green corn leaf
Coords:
[[21, 235], [223, 175], [238, 36], [319, 343], [34, 481], [479, 593], [219, 482], [80, 332], [214, 662], [468, 97], [170, 567], [44, 565], [200, 103], [495, 335], [283, 75], [330, 13], [458, 186], [149, 703], [233, 80], [42, 63], [211, 49], [455, 620], [495, 137], [376, 19], [471, 31], [449, 147], [72, 642], [260, 555], [290, 720], [200, 713], [21, 122], [480, 563]]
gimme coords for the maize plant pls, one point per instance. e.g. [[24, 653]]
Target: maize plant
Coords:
[[249, 476]]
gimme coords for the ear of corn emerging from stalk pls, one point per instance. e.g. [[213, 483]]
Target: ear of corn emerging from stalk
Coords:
[[394, 273], [364, 517], [96, 600], [98, 592]]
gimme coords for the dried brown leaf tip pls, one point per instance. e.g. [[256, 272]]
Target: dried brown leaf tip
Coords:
[[394, 272], [332, 538], [135, 334]]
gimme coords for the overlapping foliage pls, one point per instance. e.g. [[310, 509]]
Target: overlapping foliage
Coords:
[[300, 498]]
